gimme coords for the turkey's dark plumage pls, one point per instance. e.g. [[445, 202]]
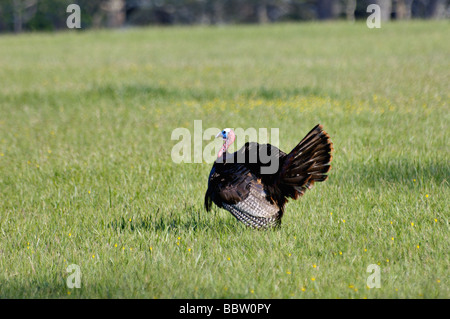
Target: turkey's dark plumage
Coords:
[[237, 181]]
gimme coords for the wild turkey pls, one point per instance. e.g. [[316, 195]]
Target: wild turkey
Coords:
[[238, 184]]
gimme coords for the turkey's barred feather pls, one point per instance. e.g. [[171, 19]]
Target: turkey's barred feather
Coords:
[[250, 220]]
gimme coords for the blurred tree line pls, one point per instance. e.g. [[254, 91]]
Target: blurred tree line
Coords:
[[20, 15]]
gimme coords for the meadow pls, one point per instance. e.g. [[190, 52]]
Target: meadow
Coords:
[[86, 175]]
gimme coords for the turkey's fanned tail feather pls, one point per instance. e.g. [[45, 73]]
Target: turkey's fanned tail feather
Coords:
[[307, 163]]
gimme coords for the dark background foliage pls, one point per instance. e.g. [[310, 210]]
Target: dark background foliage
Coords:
[[29, 15]]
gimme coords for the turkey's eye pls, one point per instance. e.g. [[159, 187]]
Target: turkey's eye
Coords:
[[223, 132]]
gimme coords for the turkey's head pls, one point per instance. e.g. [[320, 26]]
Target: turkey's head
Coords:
[[228, 139]]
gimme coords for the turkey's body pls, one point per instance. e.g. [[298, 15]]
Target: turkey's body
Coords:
[[238, 184]]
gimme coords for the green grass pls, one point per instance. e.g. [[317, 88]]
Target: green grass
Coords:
[[85, 143]]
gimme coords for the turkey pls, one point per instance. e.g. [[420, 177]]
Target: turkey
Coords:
[[239, 182]]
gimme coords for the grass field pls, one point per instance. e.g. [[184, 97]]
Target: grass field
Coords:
[[86, 175]]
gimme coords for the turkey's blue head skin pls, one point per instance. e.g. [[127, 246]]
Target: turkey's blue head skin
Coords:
[[225, 133]]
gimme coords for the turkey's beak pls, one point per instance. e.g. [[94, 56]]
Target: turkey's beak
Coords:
[[218, 135]]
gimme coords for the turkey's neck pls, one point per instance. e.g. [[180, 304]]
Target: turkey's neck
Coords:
[[225, 146], [223, 149]]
